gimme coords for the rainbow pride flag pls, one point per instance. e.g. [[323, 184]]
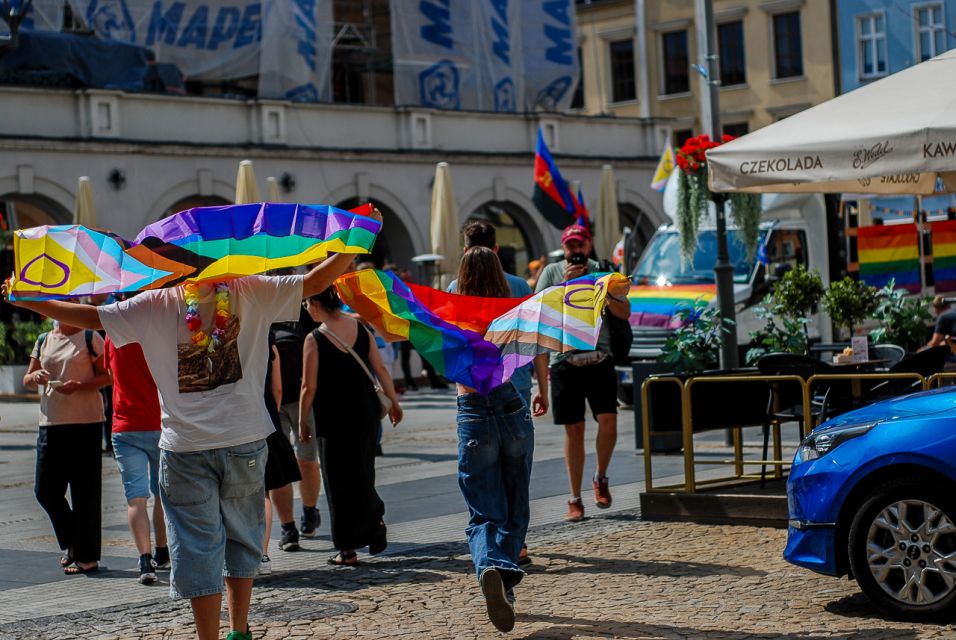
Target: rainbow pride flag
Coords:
[[479, 342], [889, 252], [201, 244], [944, 255], [655, 306]]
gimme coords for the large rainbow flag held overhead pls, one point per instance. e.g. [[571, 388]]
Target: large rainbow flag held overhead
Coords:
[[944, 255], [479, 342], [205, 243], [656, 306], [889, 252]]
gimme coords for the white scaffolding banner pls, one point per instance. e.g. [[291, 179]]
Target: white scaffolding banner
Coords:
[[287, 43], [498, 48], [434, 53], [550, 53], [489, 55]]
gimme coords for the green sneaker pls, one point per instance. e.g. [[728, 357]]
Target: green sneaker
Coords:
[[239, 635]]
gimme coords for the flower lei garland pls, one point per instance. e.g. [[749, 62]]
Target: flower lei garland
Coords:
[[693, 196], [200, 338]]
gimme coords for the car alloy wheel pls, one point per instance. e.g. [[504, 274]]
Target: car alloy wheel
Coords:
[[911, 551], [902, 548]]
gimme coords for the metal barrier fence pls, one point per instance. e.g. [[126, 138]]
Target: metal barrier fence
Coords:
[[686, 388]]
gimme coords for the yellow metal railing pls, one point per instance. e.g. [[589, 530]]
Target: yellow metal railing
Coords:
[[686, 387]]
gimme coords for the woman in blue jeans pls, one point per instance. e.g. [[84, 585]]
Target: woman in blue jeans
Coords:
[[495, 447]]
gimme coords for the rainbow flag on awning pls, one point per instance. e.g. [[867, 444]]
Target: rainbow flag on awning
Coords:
[[889, 252], [656, 306], [944, 255]]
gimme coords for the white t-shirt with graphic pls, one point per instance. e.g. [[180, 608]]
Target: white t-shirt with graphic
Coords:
[[208, 400]]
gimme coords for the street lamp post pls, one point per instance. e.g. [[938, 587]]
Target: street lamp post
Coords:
[[710, 119]]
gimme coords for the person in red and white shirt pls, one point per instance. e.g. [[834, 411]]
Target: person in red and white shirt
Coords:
[[136, 430]]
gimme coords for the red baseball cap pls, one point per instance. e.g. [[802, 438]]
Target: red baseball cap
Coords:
[[575, 232]]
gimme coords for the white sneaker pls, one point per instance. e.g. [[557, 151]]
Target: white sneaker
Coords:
[[265, 566]]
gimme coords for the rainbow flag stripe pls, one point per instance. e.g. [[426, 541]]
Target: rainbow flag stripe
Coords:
[[480, 342], [944, 255], [655, 306], [889, 252]]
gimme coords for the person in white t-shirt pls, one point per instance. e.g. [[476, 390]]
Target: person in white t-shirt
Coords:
[[210, 375]]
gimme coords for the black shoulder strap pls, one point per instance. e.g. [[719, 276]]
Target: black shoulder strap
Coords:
[[40, 340]]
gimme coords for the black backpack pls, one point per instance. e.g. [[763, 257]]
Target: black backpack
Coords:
[[289, 339]]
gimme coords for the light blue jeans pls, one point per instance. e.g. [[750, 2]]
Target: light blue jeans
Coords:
[[495, 448], [137, 456], [215, 520]]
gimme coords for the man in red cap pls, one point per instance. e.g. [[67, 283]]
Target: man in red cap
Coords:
[[581, 376]]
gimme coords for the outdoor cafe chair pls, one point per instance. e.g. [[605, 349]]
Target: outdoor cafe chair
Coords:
[[785, 402], [890, 354], [926, 363]]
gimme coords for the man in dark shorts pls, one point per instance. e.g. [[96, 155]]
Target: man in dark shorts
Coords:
[[582, 376]]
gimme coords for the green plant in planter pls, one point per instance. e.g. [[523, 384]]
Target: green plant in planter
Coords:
[[903, 320], [849, 302], [6, 347], [695, 346], [693, 197], [791, 337]]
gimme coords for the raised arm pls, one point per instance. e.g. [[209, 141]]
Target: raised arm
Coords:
[[324, 274], [71, 313]]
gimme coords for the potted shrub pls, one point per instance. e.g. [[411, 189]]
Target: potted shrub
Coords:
[[787, 311], [16, 344], [695, 345], [904, 321], [849, 302]]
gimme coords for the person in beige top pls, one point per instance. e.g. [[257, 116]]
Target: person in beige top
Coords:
[[67, 367]]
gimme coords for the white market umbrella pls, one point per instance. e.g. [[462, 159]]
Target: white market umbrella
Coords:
[[272, 190], [895, 135], [445, 229], [607, 219], [246, 189], [84, 211]]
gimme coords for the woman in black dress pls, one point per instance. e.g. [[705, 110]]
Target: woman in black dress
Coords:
[[339, 392]]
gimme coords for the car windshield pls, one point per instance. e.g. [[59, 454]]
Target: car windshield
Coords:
[[660, 263]]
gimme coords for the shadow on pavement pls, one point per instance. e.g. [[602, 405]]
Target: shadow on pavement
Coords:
[[676, 568], [577, 627], [859, 606]]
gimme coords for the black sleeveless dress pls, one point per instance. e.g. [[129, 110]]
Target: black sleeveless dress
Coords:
[[346, 411]]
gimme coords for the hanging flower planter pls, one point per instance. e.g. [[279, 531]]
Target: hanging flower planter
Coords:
[[693, 196]]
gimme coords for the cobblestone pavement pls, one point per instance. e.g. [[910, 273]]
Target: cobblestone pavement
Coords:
[[607, 577]]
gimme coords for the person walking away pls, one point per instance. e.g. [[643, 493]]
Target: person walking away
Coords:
[[66, 365], [207, 348], [484, 234], [584, 376], [495, 449], [135, 436], [338, 362], [281, 468]]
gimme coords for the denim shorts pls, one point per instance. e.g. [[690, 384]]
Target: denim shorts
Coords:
[[289, 422], [137, 456], [214, 515]]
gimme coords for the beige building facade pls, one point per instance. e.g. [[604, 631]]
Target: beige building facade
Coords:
[[777, 58]]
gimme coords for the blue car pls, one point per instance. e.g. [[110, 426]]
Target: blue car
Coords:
[[872, 495]]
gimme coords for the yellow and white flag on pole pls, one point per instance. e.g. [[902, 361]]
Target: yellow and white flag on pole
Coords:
[[664, 168]]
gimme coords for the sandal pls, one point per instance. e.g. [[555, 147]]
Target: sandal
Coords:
[[344, 559], [67, 558], [379, 542], [75, 569]]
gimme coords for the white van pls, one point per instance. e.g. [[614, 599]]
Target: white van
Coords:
[[793, 231]]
